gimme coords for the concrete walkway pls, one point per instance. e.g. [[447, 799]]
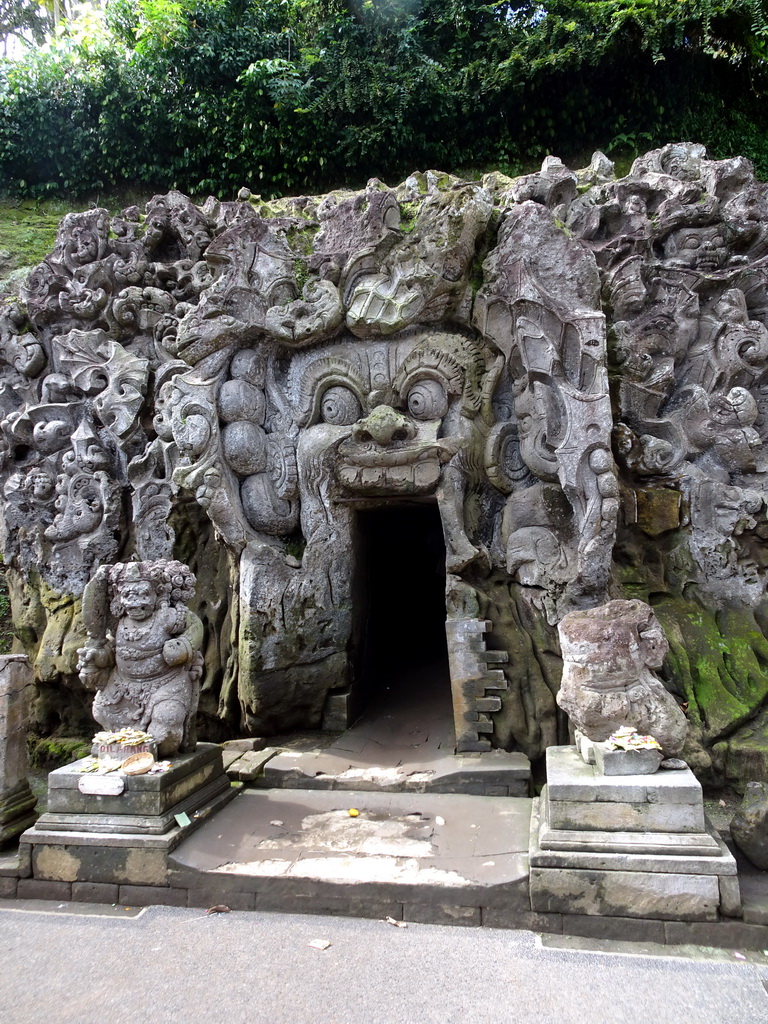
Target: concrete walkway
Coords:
[[181, 966]]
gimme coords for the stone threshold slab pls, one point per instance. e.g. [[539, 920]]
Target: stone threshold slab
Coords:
[[490, 773]]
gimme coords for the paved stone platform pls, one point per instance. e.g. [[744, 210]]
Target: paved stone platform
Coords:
[[290, 851], [422, 856]]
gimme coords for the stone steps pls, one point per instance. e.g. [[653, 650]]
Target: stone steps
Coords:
[[495, 773], [444, 858]]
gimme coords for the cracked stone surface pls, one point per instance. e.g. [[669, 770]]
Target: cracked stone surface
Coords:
[[433, 840]]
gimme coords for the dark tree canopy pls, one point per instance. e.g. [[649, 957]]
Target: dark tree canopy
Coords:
[[298, 95]]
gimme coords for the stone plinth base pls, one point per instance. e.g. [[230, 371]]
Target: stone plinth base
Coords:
[[582, 798], [148, 804], [125, 839], [627, 846]]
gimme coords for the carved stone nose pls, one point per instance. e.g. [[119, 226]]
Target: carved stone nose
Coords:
[[383, 425]]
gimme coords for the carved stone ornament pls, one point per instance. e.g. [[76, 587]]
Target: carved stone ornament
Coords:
[[142, 655], [569, 370], [610, 655]]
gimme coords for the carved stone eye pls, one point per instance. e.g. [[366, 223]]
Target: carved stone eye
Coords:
[[340, 406], [427, 400]]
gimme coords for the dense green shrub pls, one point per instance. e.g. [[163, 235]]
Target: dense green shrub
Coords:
[[298, 95]]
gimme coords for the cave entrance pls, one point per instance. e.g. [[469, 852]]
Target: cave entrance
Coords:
[[401, 650]]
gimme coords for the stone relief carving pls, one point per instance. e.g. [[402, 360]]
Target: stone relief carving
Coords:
[[146, 669], [570, 366]]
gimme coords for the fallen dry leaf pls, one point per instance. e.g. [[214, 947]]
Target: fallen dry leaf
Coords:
[[397, 924], [220, 908]]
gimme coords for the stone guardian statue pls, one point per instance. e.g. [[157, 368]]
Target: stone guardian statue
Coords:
[[142, 655], [610, 657]]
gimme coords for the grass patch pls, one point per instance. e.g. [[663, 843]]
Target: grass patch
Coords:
[[27, 232]]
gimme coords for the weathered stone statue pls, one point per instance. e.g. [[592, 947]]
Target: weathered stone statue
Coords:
[[609, 657], [147, 668]]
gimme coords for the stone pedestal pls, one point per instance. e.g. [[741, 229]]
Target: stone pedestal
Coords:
[[627, 846], [125, 837], [17, 801]]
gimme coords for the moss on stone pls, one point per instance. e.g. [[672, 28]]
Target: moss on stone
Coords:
[[718, 660], [300, 238], [49, 752], [409, 213], [301, 273]]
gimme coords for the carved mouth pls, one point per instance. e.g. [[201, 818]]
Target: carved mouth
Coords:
[[415, 478], [709, 262], [403, 468]]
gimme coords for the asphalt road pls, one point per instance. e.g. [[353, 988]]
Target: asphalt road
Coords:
[[81, 965]]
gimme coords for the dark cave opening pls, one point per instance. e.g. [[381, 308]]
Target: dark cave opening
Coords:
[[400, 604]]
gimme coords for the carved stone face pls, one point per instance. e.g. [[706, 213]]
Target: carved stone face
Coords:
[[138, 599], [536, 450], [682, 161], [41, 486], [80, 508], [391, 452], [653, 645], [84, 247], [391, 408], [697, 248]]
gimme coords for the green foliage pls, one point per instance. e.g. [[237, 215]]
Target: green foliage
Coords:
[[49, 753], [24, 20], [299, 95]]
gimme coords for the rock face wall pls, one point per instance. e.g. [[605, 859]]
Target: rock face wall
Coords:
[[572, 367]]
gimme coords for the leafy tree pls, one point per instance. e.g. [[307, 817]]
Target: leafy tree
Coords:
[[25, 20], [287, 95]]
